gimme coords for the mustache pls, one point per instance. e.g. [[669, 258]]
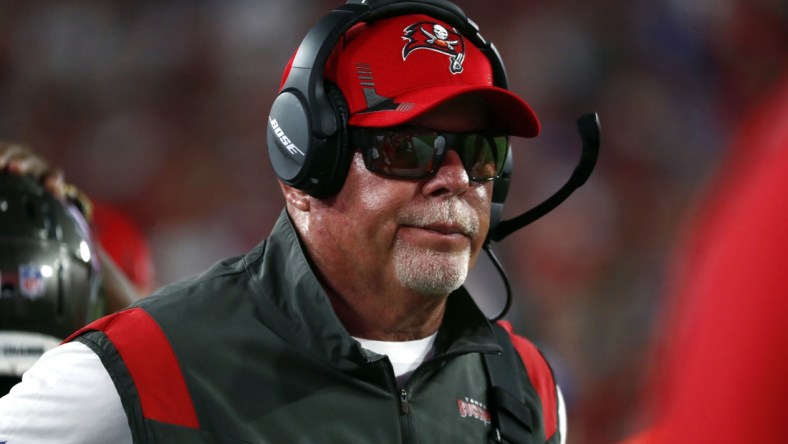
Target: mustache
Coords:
[[453, 213]]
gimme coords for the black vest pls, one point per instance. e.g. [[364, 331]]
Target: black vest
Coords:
[[251, 351]]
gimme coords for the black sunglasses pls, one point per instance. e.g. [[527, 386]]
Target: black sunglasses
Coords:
[[417, 153]]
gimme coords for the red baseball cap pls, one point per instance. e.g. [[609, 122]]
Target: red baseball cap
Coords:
[[393, 70]]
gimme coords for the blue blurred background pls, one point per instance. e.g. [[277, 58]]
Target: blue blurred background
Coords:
[[159, 108]]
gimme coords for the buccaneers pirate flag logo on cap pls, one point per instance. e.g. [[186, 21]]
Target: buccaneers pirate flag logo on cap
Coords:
[[435, 37]]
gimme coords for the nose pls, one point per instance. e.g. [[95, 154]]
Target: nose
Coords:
[[451, 178]]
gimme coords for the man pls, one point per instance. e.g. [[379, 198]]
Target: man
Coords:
[[349, 323]]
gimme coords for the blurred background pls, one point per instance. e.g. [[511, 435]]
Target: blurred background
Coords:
[[158, 109]]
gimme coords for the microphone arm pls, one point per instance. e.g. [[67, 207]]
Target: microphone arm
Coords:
[[589, 128]]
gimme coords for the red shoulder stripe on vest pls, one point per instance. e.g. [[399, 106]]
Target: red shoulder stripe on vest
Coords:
[[541, 377], [151, 363]]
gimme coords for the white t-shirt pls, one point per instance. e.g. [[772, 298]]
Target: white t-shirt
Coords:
[[405, 356]]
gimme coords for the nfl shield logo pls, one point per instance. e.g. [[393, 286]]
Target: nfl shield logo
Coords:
[[31, 281]]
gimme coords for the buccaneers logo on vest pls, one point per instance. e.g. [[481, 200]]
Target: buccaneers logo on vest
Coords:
[[435, 37], [470, 408]]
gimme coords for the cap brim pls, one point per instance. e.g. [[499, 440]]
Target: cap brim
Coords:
[[510, 114]]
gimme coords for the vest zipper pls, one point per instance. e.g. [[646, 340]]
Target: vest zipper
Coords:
[[404, 404], [404, 408]]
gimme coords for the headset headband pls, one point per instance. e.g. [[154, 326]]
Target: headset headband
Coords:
[[306, 73]]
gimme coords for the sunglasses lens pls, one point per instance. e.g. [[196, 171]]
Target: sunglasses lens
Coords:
[[483, 155], [400, 154], [413, 153]]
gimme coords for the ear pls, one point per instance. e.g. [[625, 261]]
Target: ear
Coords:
[[295, 198]]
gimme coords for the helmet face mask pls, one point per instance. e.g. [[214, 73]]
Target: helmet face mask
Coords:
[[48, 272]]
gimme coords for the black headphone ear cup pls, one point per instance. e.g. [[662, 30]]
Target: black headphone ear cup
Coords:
[[290, 141], [340, 144], [314, 165]]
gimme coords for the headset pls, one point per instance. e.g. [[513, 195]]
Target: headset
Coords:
[[307, 124]]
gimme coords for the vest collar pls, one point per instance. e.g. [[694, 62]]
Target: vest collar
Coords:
[[294, 305]]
